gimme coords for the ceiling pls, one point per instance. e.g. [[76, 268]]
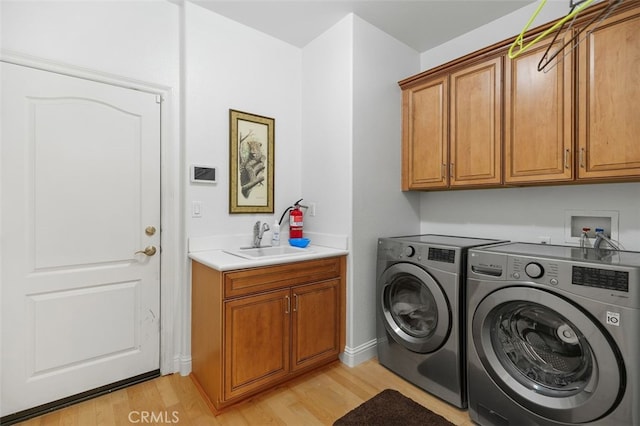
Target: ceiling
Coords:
[[420, 24]]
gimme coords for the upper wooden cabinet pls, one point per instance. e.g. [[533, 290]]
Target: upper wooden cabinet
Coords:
[[609, 99], [476, 125], [425, 141], [538, 118], [468, 124], [452, 129]]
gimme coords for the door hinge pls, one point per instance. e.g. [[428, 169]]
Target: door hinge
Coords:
[[159, 99]]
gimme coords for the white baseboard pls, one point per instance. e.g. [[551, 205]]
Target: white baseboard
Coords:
[[354, 356], [351, 357], [182, 365]]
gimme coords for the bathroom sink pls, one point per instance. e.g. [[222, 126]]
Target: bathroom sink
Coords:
[[262, 252]]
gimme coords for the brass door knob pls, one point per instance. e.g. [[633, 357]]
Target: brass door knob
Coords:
[[149, 251], [150, 230]]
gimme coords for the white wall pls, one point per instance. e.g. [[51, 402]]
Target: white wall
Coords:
[[327, 128], [520, 214], [502, 28], [231, 66], [380, 208], [134, 39], [524, 214], [327, 132], [351, 155]]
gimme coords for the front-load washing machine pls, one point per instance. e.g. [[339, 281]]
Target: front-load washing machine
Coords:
[[420, 312], [553, 336]]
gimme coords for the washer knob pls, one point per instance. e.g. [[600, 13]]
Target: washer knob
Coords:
[[534, 270], [409, 251]]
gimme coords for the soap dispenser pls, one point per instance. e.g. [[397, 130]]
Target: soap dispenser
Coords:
[[275, 234]]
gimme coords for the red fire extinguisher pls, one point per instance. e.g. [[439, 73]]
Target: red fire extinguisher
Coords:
[[295, 221]]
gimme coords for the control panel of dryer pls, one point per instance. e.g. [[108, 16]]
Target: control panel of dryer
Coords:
[[539, 270], [600, 278], [391, 250]]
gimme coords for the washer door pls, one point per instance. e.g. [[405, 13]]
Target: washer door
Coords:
[[414, 308], [547, 355]]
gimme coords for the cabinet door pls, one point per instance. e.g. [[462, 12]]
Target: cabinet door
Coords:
[[609, 99], [476, 125], [424, 135], [316, 326], [257, 342], [538, 118]]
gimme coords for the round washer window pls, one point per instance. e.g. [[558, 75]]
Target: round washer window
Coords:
[[541, 348], [547, 354], [412, 306]]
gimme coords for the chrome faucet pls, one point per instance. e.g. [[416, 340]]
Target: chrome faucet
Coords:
[[258, 231]]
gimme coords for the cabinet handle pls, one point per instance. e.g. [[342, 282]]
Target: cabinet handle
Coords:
[[567, 154], [582, 157], [444, 171], [288, 305], [295, 303], [451, 175]]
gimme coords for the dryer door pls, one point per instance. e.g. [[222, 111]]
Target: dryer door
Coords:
[[415, 311], [548, 355]]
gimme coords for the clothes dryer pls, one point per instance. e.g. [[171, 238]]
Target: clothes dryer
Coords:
[[553, 336], [421, 311]]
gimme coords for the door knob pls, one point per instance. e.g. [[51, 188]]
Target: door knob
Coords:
[[149, 251], [150, 230]]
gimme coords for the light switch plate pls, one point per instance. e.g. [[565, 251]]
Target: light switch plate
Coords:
[[196, 209]]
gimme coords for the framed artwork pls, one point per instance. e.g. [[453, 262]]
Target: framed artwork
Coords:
[[251, 157]]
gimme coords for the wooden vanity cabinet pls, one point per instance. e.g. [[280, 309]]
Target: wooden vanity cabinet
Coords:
[[256, 342], [452, 126], [255, 328], [609, 99], [316, 324]]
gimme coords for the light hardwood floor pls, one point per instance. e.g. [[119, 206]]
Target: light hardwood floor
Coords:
[[318, 398]]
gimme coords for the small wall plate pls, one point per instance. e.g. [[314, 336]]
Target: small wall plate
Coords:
[[575, 220], [203, 174]]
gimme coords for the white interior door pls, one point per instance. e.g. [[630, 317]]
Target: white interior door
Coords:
[[80, 185]]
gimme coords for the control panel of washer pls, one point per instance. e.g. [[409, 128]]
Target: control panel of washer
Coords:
[[614, 280]]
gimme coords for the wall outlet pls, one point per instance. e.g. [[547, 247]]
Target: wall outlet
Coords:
[[312, 209], [544, 240]]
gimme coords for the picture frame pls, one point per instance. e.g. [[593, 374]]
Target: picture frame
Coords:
[[251, 157]]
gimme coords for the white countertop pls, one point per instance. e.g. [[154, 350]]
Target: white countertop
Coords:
[[222, 261]]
